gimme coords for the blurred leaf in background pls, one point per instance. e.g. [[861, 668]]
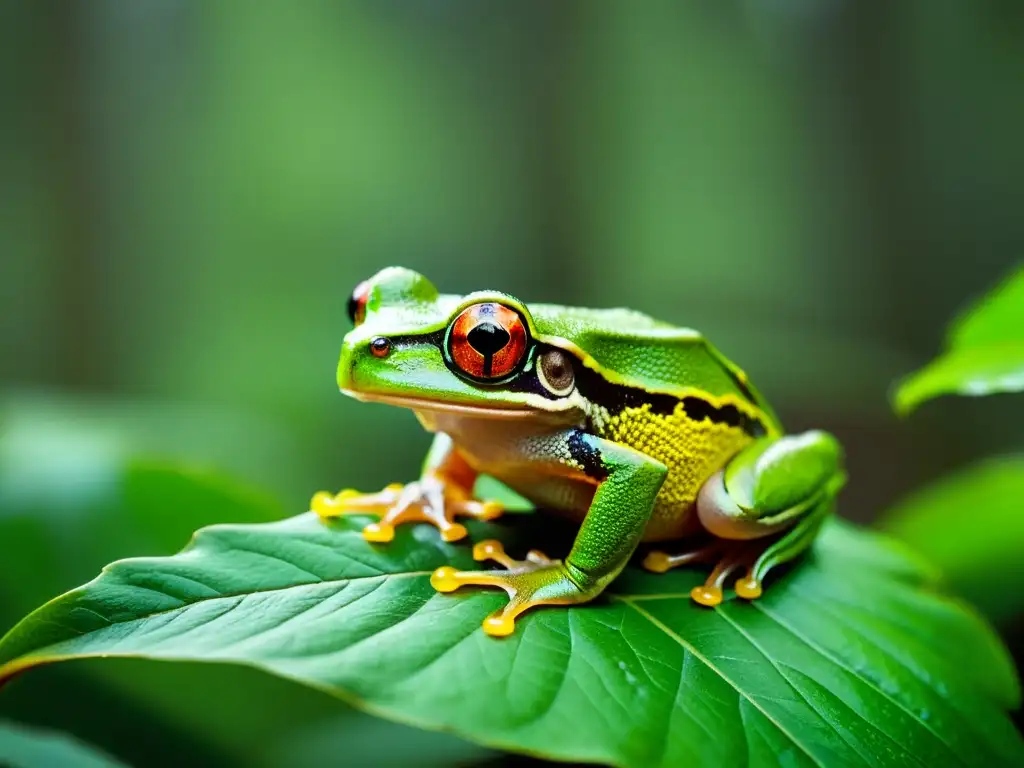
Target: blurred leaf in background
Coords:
[[22, 747], [984, 351], [82, 483], [971, 522], [971, 525]]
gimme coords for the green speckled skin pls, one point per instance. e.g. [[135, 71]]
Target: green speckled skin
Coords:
[[640, 430], [637, 350]]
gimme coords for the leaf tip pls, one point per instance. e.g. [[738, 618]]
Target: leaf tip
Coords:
[[903, 397]]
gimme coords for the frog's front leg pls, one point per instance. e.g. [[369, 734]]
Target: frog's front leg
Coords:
[[627, 485], [444, 491], [764, 509]]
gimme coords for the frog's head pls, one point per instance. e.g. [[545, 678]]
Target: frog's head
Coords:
[[478, 354]]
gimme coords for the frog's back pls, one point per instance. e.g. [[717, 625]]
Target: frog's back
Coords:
[[635, 350], [664, 391]]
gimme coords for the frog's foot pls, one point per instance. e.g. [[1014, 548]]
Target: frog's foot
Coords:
[[430, 500], [778, 550], [730, 557], [661, 562], [710, 593], [537, 580], [758, 556]]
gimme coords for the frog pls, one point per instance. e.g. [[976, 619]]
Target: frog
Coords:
[[639, 432]]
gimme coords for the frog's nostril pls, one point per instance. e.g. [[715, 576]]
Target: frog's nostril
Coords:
[[488, 338]]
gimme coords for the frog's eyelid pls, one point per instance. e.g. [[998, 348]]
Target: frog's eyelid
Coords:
[[357, 303]]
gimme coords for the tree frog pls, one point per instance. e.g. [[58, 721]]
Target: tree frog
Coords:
[[639, 430]]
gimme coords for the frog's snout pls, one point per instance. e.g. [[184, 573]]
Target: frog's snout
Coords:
[[346, 365]]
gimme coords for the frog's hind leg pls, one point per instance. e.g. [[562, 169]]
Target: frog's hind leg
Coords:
[[781, 549], [764, 509], [758, 556], [727, 556]]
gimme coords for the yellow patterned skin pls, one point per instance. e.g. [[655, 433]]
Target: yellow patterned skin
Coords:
[[693, 450]]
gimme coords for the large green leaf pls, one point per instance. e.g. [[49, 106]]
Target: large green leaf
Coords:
[[850, 658], [984, 352], [22, 747], [971, 525]]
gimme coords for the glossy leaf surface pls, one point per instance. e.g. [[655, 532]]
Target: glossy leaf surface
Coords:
[[850, 658], [971, 526], [984, 352]]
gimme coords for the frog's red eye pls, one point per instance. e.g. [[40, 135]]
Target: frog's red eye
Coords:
[[487, 341], [357, 303]]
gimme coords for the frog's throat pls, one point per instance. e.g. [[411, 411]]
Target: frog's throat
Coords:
[[434, 406]]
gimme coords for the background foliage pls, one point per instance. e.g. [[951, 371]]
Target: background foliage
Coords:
[[190, 190]]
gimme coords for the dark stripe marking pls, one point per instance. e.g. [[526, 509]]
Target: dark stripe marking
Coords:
[[698, 410], [618, 397], [587, 456]]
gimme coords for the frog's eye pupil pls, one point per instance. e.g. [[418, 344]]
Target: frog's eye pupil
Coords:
[[488, 338], [357, 303], [487, 341]]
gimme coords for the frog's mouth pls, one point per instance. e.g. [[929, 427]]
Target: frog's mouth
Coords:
[[525, 413]]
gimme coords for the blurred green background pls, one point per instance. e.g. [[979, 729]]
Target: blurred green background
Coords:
[[189, 191]]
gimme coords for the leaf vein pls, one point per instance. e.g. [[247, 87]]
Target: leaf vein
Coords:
[[838, 662], [828, 721], [697, 654]]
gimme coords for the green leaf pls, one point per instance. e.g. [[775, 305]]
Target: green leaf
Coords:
[[984, 352], [850, 658], [971, 525], [80, 485], [22, 747]]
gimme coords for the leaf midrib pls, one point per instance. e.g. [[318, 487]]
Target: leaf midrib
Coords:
[[697, 654], [803, 697], [10, 667], [869, 683]]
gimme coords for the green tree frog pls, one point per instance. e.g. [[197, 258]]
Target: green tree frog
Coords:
[[638, 430]]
